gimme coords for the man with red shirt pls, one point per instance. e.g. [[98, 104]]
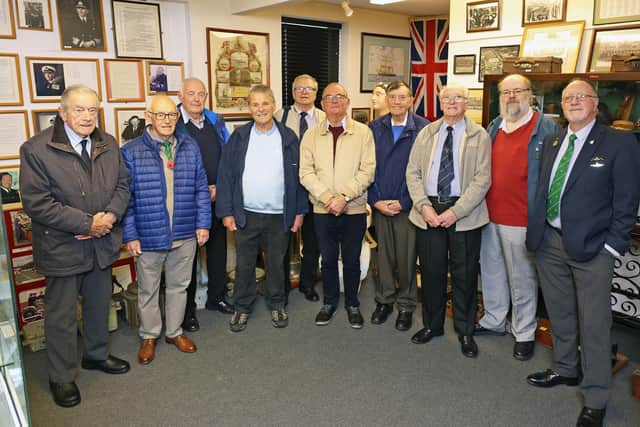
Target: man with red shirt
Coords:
[[507, 268]]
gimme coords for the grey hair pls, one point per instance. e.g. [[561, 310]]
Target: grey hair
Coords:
[[77, 89]]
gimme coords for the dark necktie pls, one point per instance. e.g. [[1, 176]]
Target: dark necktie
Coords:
[[84, 155], [445, 174], [303, 124]]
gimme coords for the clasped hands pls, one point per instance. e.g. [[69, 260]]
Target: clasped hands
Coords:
[[388, 207], [101, 225], [336, 205], [446, 219]]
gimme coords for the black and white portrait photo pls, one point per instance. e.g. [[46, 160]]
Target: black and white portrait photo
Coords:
[[49, 78], [81, 24]]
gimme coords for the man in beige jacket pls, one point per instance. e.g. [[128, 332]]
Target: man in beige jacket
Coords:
[[448, 176], [337, 164]]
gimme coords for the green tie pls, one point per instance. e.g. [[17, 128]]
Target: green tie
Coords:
[[167, 150], [553, 198]]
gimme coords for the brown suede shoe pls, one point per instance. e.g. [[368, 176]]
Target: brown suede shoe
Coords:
[[183, 343], [147, 351]]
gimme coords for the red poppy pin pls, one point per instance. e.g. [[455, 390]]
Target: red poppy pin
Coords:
[[170, 164]]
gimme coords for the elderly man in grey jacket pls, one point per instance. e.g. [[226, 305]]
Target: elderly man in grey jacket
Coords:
[[448, 176]]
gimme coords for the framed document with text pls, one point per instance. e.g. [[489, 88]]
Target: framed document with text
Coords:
[[15, 131], [124, 79], [10, 80], [7, 23], [136, 29]]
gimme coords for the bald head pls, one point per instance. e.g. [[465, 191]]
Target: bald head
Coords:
[[162, 114], [193, 96]]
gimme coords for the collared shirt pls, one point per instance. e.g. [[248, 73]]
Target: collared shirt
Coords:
[[310, 117], [186, 118], [523, 121], [343, 123], [397, 129], [459, 129], [76, 140]]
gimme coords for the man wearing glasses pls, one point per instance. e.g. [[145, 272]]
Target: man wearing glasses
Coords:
[[508, 270], [584, 209], [337, 164], [448, 175], [169, 215], [299, 117]]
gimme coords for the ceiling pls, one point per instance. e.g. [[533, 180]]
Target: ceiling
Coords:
[[406, 7]]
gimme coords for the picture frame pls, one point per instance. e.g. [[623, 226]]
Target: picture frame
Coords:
[[474, 105], [24, 271], [164, 77], [124, 79], [30, 303], [536, 12], [559, 40], [42, 119], [361, 114], [127, 129], [233, 123], [483, 16], [383, 59], [11, 89], [464, 64], [7, 22], [15, 131], [18, 226], [81, 25], [34, 15], [48, 77], [10, 194], [237, 60], [128, 15], [492, 57], [615, 11], [607, 42]]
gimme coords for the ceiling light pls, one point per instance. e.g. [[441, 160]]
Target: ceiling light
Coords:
[[347, 8], [384, 1]]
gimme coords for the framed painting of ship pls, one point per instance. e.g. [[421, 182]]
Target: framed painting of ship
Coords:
[[383, 59]]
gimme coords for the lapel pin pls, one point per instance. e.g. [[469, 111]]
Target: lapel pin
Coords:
[[591, 142], [555, 142]]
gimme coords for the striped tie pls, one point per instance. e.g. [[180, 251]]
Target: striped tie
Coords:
[[445, 174], [555, 192]]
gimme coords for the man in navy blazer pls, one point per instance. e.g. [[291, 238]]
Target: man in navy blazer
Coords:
[[584, 209]]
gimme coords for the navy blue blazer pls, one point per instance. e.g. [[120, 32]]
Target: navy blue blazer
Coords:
[[600, 200]]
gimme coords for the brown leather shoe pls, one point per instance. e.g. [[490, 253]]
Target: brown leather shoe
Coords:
[[147, 351], [183, 343]]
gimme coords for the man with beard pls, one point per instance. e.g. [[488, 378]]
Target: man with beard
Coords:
[[507, 268]]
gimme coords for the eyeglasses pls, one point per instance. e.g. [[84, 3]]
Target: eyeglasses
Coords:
[[515, 92], [162, 116], [398, 97], [304, 89], [452, 98], [336, 97], [81, 110], [578, 97]]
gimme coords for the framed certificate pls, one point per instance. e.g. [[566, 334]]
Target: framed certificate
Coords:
[[124, 79], [7, 23], [137, 30], [10, 80], [15, 131]]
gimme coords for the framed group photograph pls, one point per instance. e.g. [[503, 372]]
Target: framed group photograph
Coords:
[[136, 29], [164, 77], [48, 77], [130, 123], [10, 185], [383, 59], [615, 11], [15, 131], [492, 57], [464, 64], [7, 23], [34, 15], [559, 40], [612, 41], [543, 11], [19, 234], [11, 87], [237, 60], [361, 114], [483, 16], [81, 25], [124, 79]]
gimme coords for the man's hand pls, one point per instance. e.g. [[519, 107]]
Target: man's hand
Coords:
[[447, 218], [83, 237], [388, 207], [202, 234], [337, 205], [101, 224], [430, 216], [229, 223], [133, 247], [297, 223], [212, 192]]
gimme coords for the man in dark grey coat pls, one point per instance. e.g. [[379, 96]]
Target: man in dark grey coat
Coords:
[[75, 188]]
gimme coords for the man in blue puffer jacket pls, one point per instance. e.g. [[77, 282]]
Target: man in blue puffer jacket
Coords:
[[169, 213]]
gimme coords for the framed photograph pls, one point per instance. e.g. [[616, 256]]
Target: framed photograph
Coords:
[[48, 77], [491, 59], [42, 119], [164, 77], [7, 23], [10, 186], [30, 302], [24, 270], [543, 11], [464, 64], [559, 40], [233, 123], [15, 131], [34, 15], [474, 106], [483, 16], [130, 123], [383, 59], [615, 11], [18, 224], [237, 61], [124, 79], [361, 114], [612, 41], [136, 29], [11, 87], [81, 25]]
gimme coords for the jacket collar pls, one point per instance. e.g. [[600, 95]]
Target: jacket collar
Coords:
[[60, 140]]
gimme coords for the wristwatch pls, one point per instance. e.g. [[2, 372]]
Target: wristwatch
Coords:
[[346, 198]]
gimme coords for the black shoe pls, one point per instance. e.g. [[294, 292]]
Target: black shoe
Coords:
[[404, 320], [481, 330], [111, 365], [381, 313], [309, 293], [190, 323], [238, 322], [425, 335], [523, 350], [550, 378], [222, 306], [325, 314], [590, 417], [355, 317], [468, 345], [65, 394]]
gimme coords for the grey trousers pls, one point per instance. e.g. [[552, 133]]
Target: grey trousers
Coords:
[[61, 321], [396, 252], [177, 263], [508, 279], [577, 295]]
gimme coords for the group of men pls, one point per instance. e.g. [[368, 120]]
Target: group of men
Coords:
[[526, 201]]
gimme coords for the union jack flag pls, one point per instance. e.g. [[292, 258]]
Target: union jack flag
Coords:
[[429, 53]]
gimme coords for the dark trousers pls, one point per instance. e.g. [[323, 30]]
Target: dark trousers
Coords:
[[61, 330], [216, 248], [310, 255], [437, 248], [340, 236], [266, 229]]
